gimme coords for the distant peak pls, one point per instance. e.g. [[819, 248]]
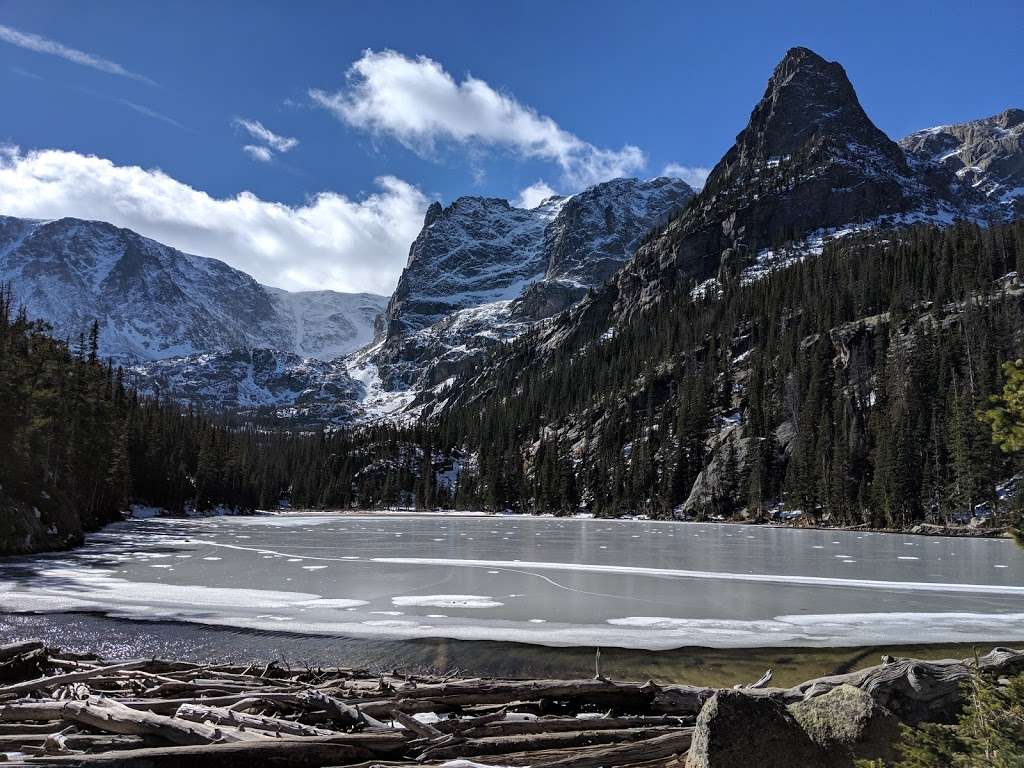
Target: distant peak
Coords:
[[1010, 118], [800, 53], [808, 103], [802, 68], [433, 213]]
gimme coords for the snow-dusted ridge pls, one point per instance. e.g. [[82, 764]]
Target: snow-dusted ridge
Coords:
[[482, 273], [155, 302]]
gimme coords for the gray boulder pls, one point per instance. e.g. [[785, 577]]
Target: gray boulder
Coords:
[[849, 724], [738, 730]]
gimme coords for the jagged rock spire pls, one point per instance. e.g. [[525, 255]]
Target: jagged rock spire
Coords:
[[808, 101]]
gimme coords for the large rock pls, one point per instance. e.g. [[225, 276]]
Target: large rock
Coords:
[[710, 482], [739, 730], [848, 723]]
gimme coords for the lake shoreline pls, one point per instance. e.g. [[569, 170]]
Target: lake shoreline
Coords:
[[125, 639], [919, 529], [167, 711]]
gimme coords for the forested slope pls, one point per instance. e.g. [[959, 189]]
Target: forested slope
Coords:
[[845, 385]]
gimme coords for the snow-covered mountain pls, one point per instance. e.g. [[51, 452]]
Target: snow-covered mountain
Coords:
[[482, 272], [986, 155], [247, 380], [809, 167], [476, 251], [155, 302]]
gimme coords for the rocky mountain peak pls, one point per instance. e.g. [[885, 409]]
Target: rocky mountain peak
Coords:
[[433, 214], [808, 102], [474, 251], [1009, 118], [482, 271]]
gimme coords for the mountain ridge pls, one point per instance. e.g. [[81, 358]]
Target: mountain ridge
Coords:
[[154, 301]]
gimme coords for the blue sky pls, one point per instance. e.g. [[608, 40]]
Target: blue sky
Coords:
[[508, 95]]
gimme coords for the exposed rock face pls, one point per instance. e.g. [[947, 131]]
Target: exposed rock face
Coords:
[[737, 730], [155, 302], [476, 251], [986, 155], [709, 484], [593, 235], [482, 272], [847, 721]]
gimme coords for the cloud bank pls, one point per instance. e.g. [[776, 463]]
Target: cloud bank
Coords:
[[40, 44], [332, 241], [418, 103]]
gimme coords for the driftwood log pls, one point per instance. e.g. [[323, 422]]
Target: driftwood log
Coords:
[[68, 710]]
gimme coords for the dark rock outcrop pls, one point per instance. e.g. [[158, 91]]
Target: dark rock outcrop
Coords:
[[38, 525], [245, 380], [738, 730]]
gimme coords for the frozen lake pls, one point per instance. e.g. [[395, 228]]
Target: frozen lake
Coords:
[[631, 584]]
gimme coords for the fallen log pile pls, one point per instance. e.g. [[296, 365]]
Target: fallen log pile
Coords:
[[72, 710]]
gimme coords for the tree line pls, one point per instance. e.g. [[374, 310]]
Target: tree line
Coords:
[[848, 386]]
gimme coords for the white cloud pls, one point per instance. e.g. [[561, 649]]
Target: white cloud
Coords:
[[418, 103], [41, 44], [258, 131], [144, 110], [694, 175], [332, 241], [533, 195], [262, 154]]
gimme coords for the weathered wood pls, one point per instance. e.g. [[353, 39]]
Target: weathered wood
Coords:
[[13, 729], [113, 717], [220, 716], [636, 697], [54, 681], [10, 650], [645, 725], [264, 754], [461, 725], [761, 682], [662, 747], [563, 724], [87, 741], [501, 745], [345, 713], [422, 729], [170, 706]]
